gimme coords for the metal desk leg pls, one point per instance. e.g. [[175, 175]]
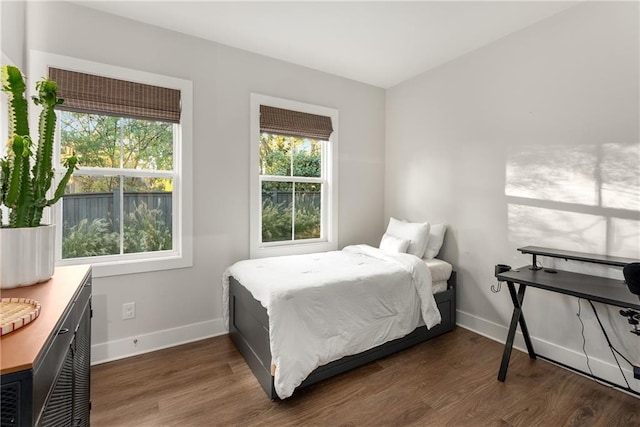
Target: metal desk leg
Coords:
[[516, 318], [517, 302]]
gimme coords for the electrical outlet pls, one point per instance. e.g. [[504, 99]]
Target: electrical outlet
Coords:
[[128, 310]]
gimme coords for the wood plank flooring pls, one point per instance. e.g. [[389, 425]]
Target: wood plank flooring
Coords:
[[448, 381]]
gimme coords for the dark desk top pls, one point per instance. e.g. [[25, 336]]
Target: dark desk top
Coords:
[[594, 288], [578, 256]]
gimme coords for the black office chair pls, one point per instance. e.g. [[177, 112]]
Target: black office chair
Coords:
[[632, 279], [631, 273]]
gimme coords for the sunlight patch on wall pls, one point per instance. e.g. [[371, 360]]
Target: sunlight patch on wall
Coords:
[[529, 225], [584, 198], [557, 173], [624, 237], [620, 171]]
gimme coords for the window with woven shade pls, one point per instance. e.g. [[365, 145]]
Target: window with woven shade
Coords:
[[128, 200], [295, 180], [88, 93]]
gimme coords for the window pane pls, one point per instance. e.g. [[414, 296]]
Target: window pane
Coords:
[[91, 213], [113, 142], [93, 138], [147, 144], [307, 218], [90, 217], [147, 208], [275, 154], [277, 198], [307, 157]]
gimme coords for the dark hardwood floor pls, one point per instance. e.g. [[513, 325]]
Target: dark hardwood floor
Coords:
[[450, 380]]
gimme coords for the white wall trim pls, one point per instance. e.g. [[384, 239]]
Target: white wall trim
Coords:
[[158, 340], [496, 332]]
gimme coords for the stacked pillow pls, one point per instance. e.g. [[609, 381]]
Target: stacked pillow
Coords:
[[415, 238], [436, 239]]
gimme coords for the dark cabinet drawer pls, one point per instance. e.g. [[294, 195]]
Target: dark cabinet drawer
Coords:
[[11, 397], [52, 361], [58, 411]]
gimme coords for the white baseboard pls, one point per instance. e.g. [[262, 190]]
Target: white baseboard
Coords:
[[603, 369], [139, 344]]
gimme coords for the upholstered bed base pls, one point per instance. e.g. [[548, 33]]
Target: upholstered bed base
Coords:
[[249, 330]]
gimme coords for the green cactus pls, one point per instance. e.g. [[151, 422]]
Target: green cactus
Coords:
[[23, 188]]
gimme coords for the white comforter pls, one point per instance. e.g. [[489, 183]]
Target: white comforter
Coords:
[[325, 306]]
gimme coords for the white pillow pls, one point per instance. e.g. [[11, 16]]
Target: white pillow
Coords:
[[416, 232], [391, 243], [436, 239]]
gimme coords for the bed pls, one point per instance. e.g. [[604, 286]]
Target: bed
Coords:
[[250, 323]]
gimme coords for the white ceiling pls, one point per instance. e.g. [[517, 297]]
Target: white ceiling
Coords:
[[379, 43]]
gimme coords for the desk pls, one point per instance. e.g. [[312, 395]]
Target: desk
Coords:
[[592, 288]]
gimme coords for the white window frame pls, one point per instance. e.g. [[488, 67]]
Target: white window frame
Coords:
[[182, 199], [329, 239]]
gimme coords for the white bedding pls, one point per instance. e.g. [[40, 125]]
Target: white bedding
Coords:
[[440, 270], [325, 306], [440, 286]]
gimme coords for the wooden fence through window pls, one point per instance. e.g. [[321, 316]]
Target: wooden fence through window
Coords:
[[92, 206]]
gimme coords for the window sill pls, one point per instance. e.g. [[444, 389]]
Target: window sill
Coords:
[[293, 249], [132, 266]]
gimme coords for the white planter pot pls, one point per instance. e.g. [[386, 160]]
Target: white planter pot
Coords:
[[27, 255]]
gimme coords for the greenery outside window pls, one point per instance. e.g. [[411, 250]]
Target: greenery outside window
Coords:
[[291, 179], [293, 198], [128, 208], [121, 200]]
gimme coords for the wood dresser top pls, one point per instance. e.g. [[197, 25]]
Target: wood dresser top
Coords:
[[19, 349]]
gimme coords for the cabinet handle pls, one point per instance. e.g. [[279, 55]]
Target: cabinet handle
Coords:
[[63, 331]]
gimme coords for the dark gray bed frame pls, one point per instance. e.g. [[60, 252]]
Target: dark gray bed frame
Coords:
[[249, 330]]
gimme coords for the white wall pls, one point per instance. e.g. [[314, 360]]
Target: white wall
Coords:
[[186, 304], [12, 46], [12, 16], [532, 140]]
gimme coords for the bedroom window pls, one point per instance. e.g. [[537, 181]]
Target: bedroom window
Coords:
[[127, 209], [294, 176], [121, 200]]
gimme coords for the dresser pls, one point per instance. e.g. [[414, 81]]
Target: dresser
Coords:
[[46, 363]]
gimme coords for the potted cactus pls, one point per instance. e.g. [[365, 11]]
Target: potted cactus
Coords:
[[26, 246]]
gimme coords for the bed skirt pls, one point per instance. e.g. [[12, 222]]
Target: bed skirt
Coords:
[[249, 330]]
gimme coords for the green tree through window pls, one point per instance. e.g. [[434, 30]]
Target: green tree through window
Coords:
[[120, 200], [291, 177]]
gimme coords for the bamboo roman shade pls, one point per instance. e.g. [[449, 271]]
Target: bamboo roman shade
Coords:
[[288, 122], [89, 93]]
